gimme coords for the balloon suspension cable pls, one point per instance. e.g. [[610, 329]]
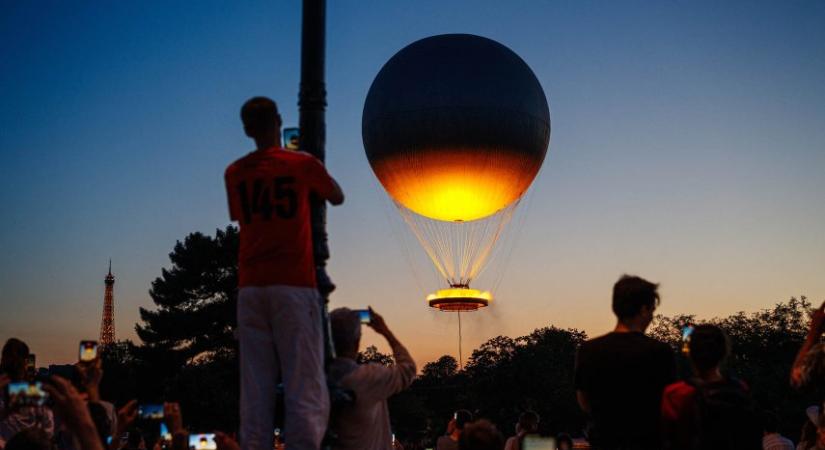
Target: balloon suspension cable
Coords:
[[460, 358], [458, 250]]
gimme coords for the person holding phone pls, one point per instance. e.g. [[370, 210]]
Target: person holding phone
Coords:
[[14, 369], [365, 425], [279, 306]]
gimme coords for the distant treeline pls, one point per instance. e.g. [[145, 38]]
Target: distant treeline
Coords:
[[188, 354]]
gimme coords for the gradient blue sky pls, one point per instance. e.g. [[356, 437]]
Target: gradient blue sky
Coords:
[[688, 147]]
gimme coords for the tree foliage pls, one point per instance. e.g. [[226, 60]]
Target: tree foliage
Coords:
[[188, 351], [196, 298], [502, 378], [372, 355], [440, 370]]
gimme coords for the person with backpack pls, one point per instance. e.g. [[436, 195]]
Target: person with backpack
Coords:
[[710, 411]]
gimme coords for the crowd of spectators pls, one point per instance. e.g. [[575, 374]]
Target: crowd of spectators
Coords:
[[625, 383]]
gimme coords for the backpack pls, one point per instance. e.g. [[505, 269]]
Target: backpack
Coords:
[[728, 417]]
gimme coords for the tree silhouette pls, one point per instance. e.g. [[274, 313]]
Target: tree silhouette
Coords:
[[371, 354], [196, 299], [439, 370], [188, 354]]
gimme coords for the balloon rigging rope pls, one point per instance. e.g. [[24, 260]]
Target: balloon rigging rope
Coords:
[[458, 250]]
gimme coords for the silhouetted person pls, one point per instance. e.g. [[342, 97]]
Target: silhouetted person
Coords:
[[365, 425], [620, 376], [15, 419], [480, 435], [528, 423], [279, 307], [455, 428], [13, 360], [710, 411]]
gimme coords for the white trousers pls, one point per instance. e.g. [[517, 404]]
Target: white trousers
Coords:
[[280, 335]]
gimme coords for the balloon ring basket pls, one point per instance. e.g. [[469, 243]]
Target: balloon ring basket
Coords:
[[459, 299]]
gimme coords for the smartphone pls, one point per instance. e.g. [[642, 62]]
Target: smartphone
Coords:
[[150, 411], [291, 138], [203, 441], [686, 332], [534, 442], [88, 351], [364, 315], [164, 434], [23, 393]]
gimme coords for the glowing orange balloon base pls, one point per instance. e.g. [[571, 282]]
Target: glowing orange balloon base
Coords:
[[459, 299]]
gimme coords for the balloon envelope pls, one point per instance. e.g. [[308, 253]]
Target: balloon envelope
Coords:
[[456, 127]]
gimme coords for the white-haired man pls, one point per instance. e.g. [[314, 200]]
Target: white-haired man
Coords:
[[365, 425]]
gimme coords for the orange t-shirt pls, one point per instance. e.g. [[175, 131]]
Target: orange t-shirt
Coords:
[[268, 192]]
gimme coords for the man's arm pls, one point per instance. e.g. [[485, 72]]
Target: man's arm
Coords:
[[814, 333], [402, 374], [580, 381], [71, 407], [584, 402], [322, 183], [336, 196]]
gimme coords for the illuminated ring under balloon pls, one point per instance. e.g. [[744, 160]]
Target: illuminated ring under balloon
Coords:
[[459, 299]]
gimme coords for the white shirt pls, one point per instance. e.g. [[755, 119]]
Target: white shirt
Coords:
[[365, 425]]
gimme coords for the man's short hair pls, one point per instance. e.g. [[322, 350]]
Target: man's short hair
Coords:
[[346, 330], [481, 435], [259, 114], [13, 359], [463, 417], [708, 346], [528, 421], [630, 293]]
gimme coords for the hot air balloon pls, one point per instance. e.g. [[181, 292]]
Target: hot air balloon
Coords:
[[456, 127]]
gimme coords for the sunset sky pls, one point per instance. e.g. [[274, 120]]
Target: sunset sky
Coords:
[[688, 147]]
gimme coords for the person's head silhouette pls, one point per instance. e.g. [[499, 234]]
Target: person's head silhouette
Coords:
[[708, 348], [634, 301], [261, 120]]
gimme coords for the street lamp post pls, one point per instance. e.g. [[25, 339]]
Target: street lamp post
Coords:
[[312, 102]]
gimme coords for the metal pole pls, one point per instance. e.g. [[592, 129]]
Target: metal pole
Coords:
[[460, 357], [312, 102]]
